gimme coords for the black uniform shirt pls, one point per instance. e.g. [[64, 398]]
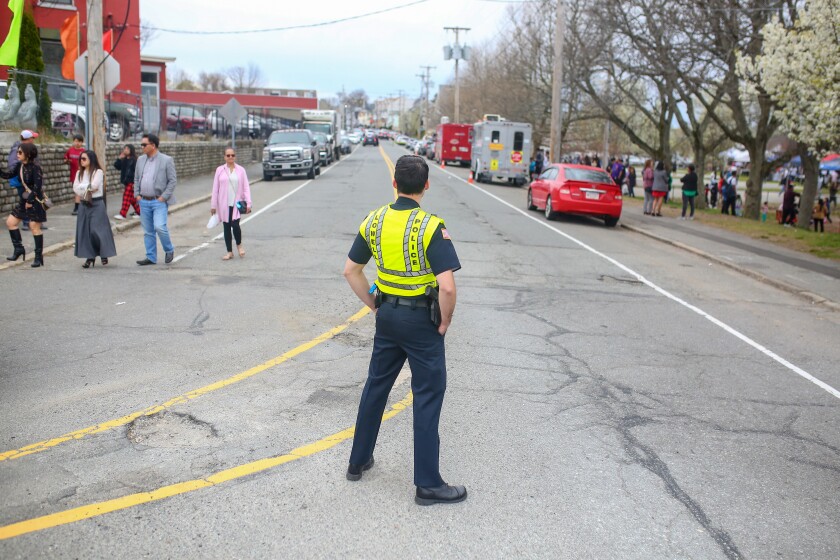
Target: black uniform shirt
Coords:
[[440, 254]]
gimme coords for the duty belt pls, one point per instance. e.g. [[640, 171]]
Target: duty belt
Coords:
[[408, 302]]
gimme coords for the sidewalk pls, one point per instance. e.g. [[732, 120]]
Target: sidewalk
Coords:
[[61, 224], [810, 277]]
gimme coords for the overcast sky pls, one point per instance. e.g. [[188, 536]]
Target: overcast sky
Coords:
[[380, 53]]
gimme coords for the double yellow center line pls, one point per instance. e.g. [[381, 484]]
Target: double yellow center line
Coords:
[[100, 508]]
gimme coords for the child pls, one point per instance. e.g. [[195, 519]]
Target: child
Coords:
[[738, 204], [71, 158], [819, 216], [764, 209]]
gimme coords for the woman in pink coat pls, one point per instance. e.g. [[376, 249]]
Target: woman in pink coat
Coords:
[[231, 198]]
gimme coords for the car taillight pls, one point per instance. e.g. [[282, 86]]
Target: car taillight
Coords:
[[618, 197], [565, 191]]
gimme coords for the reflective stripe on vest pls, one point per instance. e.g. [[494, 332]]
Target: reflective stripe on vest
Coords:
[[398, 240]]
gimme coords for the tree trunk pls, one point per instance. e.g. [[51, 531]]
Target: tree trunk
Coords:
[[752, 204], [811, 166], [700, 167]]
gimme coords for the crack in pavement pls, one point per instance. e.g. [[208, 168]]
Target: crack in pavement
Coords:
[[645, 457]]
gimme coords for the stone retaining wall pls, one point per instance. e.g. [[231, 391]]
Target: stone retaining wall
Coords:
[[191, 158]]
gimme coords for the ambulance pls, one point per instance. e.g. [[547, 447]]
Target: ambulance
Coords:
[[501, 150]]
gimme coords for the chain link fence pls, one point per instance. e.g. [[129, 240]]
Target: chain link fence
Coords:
[[128, 115]]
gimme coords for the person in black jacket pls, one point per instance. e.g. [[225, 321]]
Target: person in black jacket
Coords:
[[126, 164], [31, 203], [689, 191]]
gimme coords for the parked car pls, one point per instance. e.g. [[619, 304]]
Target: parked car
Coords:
[[576, 189], [185, 120], [370, 139], [68, 112], [249, 125], [346, 146], [291, 152], [323, 147]]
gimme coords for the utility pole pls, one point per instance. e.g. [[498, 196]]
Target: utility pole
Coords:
[[457, 52], [425, 78], [400, 106], [95, 97], [557, 84]]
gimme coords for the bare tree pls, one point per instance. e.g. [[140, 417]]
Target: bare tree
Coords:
[[213, 81], [148, 31], [245, 79], [179, 78]]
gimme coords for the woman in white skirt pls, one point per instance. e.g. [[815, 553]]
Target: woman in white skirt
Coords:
[[93, 228]]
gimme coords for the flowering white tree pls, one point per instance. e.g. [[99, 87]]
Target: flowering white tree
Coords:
[[800, 69]]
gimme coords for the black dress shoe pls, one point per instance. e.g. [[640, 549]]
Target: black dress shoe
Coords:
[[169, 256], [445, 494], [354, 472], [144, 262]]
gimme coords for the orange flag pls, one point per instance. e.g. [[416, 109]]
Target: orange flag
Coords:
[[70, 42], [107, 40]]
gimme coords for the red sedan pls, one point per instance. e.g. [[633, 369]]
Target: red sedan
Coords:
[[576, 189]]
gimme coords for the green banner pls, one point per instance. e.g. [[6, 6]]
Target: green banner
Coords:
[[9, 49]]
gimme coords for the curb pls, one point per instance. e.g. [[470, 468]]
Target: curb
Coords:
[[811, 297], [120, 227]]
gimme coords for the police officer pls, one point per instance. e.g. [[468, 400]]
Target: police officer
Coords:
[[414, 299]]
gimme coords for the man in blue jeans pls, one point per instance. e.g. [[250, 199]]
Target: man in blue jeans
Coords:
[[154, 184]]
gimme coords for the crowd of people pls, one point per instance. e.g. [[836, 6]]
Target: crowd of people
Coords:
[[148, 183]]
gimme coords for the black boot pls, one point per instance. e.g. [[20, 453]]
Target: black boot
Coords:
[[39, 251], [18, 244]]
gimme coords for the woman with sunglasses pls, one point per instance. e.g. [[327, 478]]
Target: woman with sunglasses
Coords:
[[31, 204], [231, 198], [93, 229]]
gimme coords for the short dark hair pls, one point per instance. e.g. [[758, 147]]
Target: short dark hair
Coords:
[[660, 166], [153, 139], [411, 174], [79, 137], [691, 167]]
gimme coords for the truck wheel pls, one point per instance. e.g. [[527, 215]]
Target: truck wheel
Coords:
[[337, 154], [317, 170], [267, 176], [311, 174]]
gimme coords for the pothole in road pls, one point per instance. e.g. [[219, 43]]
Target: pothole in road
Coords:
[[171, 429], [353, 340]]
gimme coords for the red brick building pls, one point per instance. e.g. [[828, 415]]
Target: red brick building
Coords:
[[143, 77]]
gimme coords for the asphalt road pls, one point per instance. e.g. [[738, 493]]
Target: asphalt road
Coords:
[[609, 396]]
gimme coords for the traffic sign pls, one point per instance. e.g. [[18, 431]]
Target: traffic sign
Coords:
[[111, 68], [233, 111]]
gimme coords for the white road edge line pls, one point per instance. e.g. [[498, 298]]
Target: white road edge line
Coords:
[[766, 351], [257, 213]]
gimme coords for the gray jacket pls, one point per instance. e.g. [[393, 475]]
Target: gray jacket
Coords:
[[165, 177], [660, 180]]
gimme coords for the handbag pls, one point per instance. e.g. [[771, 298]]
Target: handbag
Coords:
[[242, 206], [87, 198], [45, 202]]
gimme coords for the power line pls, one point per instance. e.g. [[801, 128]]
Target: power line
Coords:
[[287, 28]]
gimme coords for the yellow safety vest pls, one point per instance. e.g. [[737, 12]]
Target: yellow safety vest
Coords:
[[394, 239]]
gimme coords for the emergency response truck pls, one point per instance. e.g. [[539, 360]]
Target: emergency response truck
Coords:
[[501, 149], [452, 143], [326, 122]]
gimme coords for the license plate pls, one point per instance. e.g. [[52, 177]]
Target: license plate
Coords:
[[592, 195]]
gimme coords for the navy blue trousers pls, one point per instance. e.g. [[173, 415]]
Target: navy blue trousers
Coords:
[[404, 333]]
